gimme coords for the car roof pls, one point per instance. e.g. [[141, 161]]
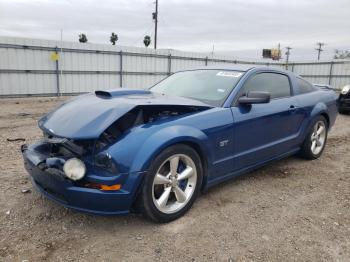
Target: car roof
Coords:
[[235, 67]]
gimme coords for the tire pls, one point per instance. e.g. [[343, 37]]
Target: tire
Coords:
[[160, 199], [314, 144]]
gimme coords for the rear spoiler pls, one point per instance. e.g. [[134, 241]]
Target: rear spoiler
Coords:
[[324, 86]]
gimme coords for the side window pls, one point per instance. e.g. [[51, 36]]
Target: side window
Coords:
[[276, 84], [304, 86]]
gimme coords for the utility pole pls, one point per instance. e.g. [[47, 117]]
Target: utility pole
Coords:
[[319, 49], [155, 18], [287, 55], [279, 52], [61, 58]]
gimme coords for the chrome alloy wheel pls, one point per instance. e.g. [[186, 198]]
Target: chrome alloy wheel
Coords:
[[174, 183], [318, 137]]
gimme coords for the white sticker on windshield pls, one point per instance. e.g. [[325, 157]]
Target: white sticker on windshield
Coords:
[[221, 90], [229, 74]]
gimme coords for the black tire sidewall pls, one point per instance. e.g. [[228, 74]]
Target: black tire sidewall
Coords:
[[306, 148], [148, 206]]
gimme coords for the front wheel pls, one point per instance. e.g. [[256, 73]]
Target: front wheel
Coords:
[[172, 184], [315, 141]]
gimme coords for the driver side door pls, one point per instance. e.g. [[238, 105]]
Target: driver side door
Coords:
[[265, 131]]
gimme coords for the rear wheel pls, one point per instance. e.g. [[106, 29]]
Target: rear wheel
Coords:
[[172, 184], [315, 141]]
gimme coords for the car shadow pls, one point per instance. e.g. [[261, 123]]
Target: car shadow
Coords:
[[277, 169]]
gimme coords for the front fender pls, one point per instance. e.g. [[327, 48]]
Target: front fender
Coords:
[[163, 138]]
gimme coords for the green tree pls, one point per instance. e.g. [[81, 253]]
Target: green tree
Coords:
[[113, 38], [83, 38], [147, 40]]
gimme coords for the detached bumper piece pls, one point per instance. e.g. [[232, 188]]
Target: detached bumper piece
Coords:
[[49, 179]]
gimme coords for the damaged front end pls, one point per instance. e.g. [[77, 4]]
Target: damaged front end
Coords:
[[77, 160], [51, 154], [53, 165], [73, 165]]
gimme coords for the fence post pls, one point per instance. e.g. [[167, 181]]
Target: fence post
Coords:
[[169, 64], [57, 73], [121, 68], [330, 74], [292, 67], [206, 61]]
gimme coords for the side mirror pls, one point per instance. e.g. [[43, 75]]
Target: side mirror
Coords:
[[255, 97]]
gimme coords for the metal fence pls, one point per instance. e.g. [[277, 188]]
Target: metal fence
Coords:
[[29, 67]]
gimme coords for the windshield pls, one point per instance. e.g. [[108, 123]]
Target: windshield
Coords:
[[209, 86]]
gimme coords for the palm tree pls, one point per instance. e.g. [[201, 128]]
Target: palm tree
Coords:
[[83, 38], [113, 38], [147, 40]]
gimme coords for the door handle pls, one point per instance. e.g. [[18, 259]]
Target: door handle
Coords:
[[292, 108]]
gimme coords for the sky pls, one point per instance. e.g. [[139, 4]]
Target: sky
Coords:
[[238, 27]]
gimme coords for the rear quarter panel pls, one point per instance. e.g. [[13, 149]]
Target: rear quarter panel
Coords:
[[315, 103]]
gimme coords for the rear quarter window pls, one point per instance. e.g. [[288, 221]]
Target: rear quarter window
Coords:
[[304, 86]]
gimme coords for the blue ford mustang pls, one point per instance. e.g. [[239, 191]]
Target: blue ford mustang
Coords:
[[110, 151]]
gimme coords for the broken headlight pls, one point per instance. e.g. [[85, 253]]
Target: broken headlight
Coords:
[[74, 169]]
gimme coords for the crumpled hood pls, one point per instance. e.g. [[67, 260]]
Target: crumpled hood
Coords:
[[87, 116]]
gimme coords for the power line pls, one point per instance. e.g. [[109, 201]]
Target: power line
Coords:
[[319, 49]]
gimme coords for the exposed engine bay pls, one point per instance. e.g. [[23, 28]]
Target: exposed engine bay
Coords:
[[142, 115], [64, 147]]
